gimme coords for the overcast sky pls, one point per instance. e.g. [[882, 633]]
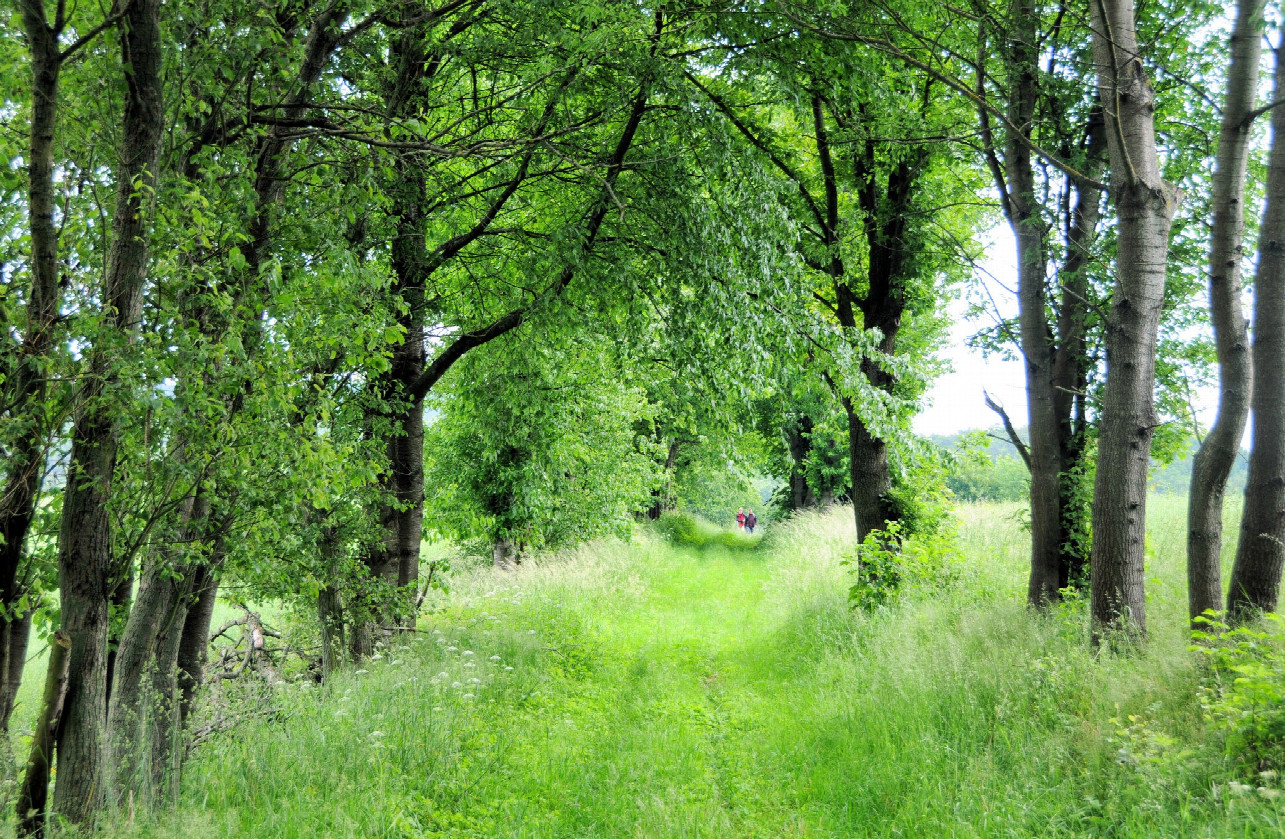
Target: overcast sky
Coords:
[[955, 402]]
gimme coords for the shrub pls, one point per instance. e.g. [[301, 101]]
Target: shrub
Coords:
[[891, 562], [1244, 694]]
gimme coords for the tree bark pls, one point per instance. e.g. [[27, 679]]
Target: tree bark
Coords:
[[504, 554], [798, 438], [1145, 206], [85, 549], [662, 495], [27, 392], [1260, 553], [871, 480], [194, 644], [330, 617], [18, 635], [1217, 454], [147, 653], [1072, 364]]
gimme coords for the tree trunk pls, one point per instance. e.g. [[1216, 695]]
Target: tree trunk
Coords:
[[330, 617], [17, 636], [1217, 454], [122, 595], [27, 392], [34, 793], [85, 548], [1145, 205], [147, 656], [798, 439], [194, 644], [1072, 364], [661, 496], [505, 554], [1260, 554]]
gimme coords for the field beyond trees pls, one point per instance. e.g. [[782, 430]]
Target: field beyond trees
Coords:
[[650, 690]]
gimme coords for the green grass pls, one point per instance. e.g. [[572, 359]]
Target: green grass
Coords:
[[661, 691]]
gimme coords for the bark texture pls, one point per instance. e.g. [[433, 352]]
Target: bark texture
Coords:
[[798, 439], [1260, 553], [1217, 454], [27, 418], [142, 703], [85, 547], [1145, 205], [1056, 360]]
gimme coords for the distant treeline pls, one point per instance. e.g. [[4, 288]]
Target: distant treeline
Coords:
[[994, 471]]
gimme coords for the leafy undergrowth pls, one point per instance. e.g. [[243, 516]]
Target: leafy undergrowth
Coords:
[[648, 690]]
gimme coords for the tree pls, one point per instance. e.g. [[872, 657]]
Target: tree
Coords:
[[540, 450], [1260, 553], [1145, 205], [1217, 453], [861, 153], [85, 556]]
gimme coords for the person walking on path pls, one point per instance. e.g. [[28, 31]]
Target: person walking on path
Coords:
[[750, 521], [740, 519]]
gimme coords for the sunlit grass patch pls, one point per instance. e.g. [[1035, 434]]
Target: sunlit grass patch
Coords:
[[661, 691]]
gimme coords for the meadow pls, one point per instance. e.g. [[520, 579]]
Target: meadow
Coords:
[[655, 689]]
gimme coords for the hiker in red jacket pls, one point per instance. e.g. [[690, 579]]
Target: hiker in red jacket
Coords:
[[740, 519]]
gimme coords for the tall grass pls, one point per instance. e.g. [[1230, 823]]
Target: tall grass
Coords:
[[658, 691]]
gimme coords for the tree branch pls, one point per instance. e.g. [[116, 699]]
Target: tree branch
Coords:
[[1009, 429]]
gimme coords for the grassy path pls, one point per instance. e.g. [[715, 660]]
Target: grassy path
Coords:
[[643, 690]]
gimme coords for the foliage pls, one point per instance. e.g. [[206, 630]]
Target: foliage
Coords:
[[712, 486], [896, 562], [1244, 692], [540, 449]]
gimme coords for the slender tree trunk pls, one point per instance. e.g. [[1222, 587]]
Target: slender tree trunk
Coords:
[[1072, 365], [18, 634], [504, 554], [146, 659], [330, 617], [1260, 554], [122, 596], [661, 496], [34, 793], [194, 644], [27, 391], [1217, 454], [1145, 205]]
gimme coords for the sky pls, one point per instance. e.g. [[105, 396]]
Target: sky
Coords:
[[955, 401]]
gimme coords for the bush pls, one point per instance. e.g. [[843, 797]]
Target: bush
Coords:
[[891, 562], [1244, 695]]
